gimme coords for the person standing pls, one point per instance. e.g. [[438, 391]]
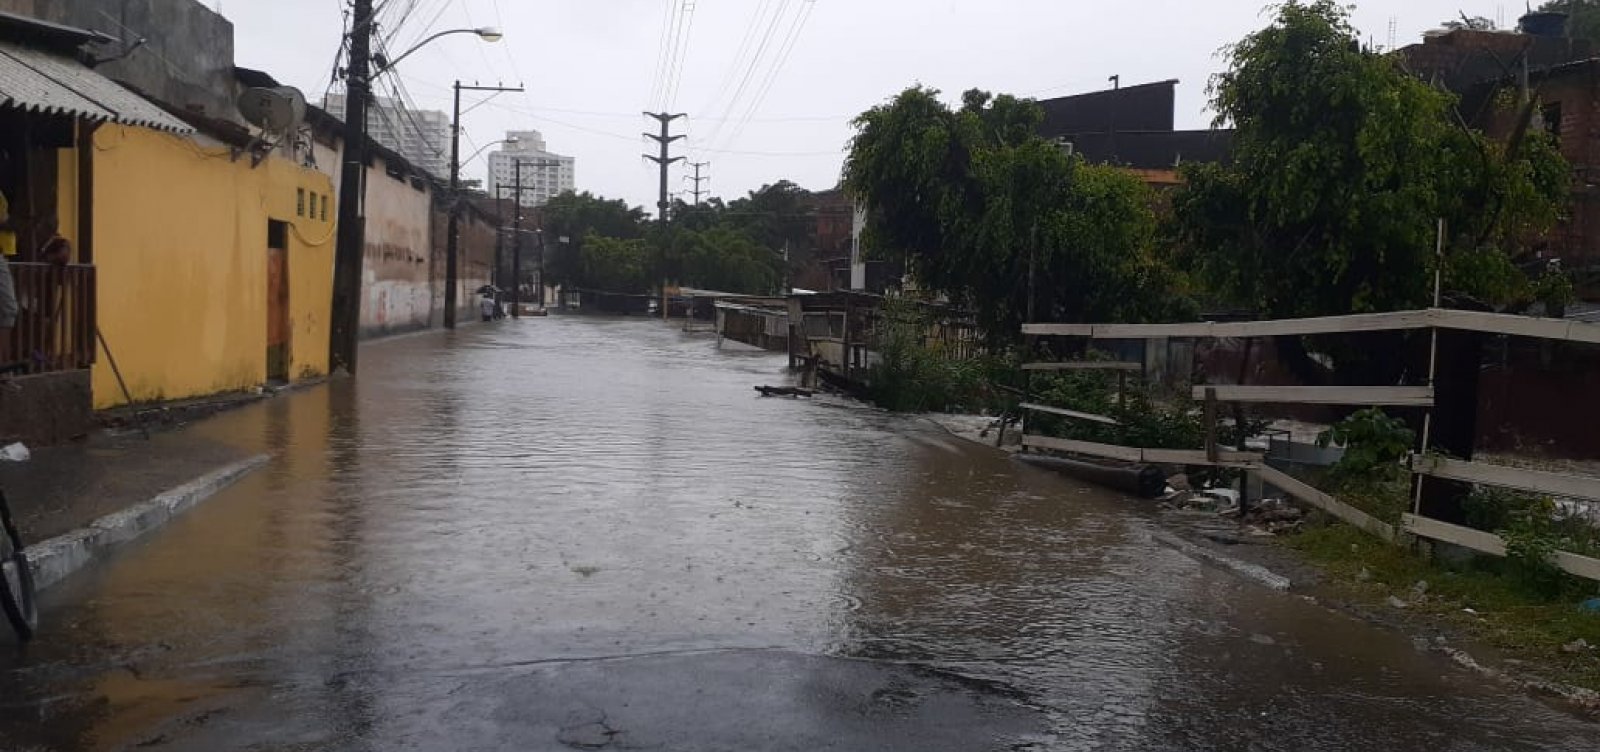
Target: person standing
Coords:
[[8, 288], [488, 307]]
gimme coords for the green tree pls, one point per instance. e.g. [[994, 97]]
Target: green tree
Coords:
[[972, 199], [614, 264], [1584, 17], [1342, 162], [575, 216], [725, 259]]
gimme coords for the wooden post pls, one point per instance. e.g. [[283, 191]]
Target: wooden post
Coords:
[[1211, 424]]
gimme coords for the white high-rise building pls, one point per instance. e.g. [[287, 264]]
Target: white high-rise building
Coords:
[[544, 174], [421, 136]]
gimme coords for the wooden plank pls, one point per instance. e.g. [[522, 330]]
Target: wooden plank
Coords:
[[1092, 449], [1361, 322], [1323, 395], [1553, 484], [1499, 323], [1489, 543], [1315, 497], [1069, 413], [1134, 454], [1059, 330], [1225, 457], [1084, 365], [1477, 540]]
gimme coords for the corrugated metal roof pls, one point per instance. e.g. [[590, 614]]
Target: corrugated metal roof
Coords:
[[39, 81]]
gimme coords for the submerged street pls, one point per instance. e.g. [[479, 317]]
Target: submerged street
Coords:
[[590, 533]]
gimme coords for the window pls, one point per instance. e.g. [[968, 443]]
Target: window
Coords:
[[324, 207], [300, 202], [313, 212]]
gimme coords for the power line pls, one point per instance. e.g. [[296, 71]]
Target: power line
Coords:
[[683, 55], [784, 52], [755, 63], [657, 80]]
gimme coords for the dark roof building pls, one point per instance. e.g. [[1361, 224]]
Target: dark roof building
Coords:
[[1132, 127]]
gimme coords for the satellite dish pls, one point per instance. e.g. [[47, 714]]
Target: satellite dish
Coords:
[[276, 110]]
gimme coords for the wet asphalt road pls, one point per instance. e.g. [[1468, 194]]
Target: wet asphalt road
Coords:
[[586, 533]]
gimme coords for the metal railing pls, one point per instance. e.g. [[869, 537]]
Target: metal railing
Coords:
[[55, 329]]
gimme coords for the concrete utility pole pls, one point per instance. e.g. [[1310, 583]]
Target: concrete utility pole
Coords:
[[352, 237], [697, 180], [453, 234], [516, 234], [664, 205]]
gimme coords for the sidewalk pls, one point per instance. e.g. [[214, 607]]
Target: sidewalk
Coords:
[[76, 503]]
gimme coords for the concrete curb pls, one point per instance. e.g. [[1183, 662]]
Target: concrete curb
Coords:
[[1253, 572], [54, 559]]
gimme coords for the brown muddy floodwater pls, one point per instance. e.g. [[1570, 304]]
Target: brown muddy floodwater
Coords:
[[590, 533]]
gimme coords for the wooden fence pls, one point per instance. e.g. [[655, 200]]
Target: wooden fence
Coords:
[[1423, 466], [55, 329]]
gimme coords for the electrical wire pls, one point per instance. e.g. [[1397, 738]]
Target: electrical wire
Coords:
[[755, 63], [676, 80], [793, 38], [657, 79]]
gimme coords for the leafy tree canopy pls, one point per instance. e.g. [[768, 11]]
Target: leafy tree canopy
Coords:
[[972, 199], [1342, 163], [1584, 17]]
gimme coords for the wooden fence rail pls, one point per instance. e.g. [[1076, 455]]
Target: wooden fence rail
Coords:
[[55, 320]]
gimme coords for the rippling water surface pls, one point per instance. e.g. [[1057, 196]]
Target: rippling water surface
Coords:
[[585, 488]]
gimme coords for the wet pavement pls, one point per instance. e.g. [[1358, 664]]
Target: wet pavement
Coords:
[[587, 533]]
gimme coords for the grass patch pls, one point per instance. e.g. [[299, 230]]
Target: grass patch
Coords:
[[1522, 624]]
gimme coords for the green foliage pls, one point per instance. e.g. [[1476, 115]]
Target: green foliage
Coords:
[[1585, 17], [915, 375], [1533, 527], [1374, 444], [576, 216], [614, 264], [725, 259], [972, 199], [1342, 164], [1520, 622]]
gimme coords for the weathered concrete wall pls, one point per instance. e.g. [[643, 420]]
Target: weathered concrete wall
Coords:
[[397, 288], [50, 408], [475, 261], [186, 60]]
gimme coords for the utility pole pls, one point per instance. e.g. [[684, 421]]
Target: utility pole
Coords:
[[664, 161], [516, 234], [697, 180], [453, 234], [352, 237]]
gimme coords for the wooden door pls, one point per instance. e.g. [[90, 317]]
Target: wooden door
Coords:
[[278, 334]]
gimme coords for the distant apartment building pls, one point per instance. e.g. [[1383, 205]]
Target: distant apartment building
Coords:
[[544, 173], [421, 136]]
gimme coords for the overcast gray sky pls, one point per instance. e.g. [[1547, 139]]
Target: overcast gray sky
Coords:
[[591, 66]]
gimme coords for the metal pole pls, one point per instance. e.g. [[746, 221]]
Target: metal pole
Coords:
[[1433, 356], [453, 233], [351, 244], [516, 242]]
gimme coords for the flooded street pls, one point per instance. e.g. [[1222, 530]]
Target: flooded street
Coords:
[[590, 533]]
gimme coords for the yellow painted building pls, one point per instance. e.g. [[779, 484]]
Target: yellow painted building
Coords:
[[182, 233]]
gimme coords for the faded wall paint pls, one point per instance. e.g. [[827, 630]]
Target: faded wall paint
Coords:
[[181, 251], [397, 290], [475, 259]]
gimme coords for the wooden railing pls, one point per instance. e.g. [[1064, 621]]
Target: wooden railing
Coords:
[[55, 329]]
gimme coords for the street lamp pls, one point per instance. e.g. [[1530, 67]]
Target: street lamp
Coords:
[[350, 247], [487, 34]]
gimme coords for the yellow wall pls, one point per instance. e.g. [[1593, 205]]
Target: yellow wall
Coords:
[[181, 252]]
